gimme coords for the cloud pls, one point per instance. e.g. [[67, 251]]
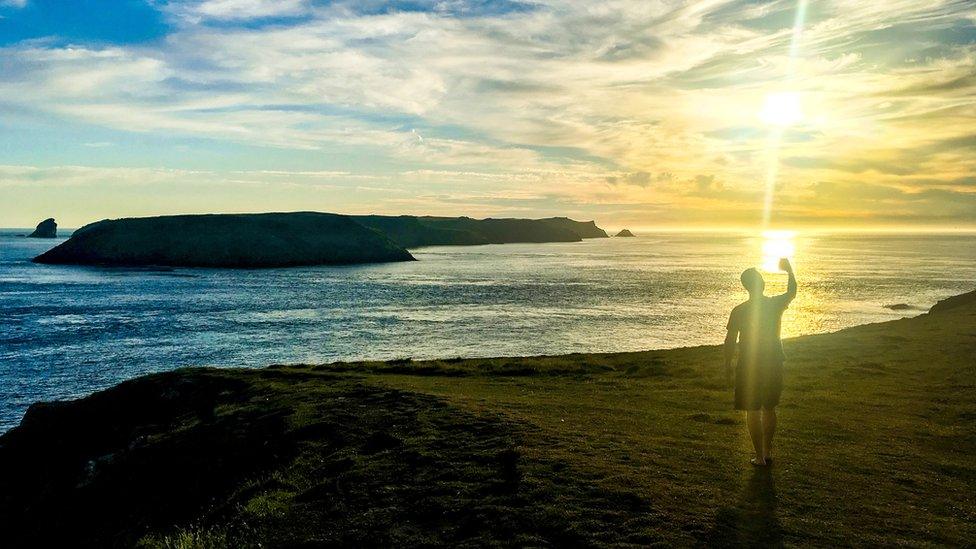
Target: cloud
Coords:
[[887, 203], [639, 179], [621, 102], [77, 195], [13, 3], [230, 10], [706, 183]]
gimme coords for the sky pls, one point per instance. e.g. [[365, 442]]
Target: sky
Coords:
[[643, 113]]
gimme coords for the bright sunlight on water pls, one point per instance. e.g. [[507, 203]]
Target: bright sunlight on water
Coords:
[[777, 245]]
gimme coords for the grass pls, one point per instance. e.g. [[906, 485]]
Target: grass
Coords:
[[876, 446]]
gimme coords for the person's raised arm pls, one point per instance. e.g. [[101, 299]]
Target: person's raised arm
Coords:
[[791, 283]]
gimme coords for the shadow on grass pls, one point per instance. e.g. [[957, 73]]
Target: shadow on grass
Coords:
[[752, 521]]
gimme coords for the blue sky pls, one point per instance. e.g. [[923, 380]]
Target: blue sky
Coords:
[[636, 113], [82, 21]]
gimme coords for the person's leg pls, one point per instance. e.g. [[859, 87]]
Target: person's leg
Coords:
[[754, 421], [768, 430]]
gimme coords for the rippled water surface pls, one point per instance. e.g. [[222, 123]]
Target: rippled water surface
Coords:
[[66, 331]]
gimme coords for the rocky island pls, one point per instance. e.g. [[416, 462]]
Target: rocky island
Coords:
[[227, 240], [626, 233], [293, 239], [45, 229]]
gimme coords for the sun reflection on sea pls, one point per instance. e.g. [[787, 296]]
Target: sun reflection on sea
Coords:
[[812, 306], [776, 245]]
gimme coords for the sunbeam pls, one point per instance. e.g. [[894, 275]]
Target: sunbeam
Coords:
[[780, 110]]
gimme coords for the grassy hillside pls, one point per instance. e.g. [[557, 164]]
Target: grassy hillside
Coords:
[[876, 445]]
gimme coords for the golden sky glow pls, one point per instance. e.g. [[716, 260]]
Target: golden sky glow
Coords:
[[632, 113]]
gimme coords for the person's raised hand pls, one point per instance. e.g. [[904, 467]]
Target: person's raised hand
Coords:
[[784, 265]]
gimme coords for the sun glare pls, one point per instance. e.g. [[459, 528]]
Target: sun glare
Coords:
[[775, 245], [781, 109]]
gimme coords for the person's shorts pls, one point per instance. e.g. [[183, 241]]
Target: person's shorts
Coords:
[[758, 385]]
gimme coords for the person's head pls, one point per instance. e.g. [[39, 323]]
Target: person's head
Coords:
[[753, 281]]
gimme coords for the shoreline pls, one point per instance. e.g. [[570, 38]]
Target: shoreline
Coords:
[[351, 363]]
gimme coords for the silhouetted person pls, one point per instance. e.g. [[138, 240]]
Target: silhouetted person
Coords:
[[759, 370]]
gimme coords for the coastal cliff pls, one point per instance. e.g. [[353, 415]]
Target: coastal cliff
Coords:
[[415, 232], [227, 240], [585, 229]]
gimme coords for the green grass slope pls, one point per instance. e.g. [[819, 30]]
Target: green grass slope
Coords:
[[876, 444]]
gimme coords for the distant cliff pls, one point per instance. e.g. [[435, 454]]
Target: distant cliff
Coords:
[[585, 229], [227, 240], [413, 232], [45, 229]]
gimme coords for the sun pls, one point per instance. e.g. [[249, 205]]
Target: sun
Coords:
[[781, 109]]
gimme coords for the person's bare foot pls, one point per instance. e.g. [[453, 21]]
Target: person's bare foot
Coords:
[[758, 462]]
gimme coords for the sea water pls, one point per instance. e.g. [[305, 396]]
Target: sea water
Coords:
[[66, 331]]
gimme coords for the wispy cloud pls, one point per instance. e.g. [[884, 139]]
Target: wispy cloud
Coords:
[[231, 10]]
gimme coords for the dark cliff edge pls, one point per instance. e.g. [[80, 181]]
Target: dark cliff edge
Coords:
[[957, 301], [280, 458], [227, 240], [45, 229]]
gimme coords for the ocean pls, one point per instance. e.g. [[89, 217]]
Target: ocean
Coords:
[[66, 331]]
